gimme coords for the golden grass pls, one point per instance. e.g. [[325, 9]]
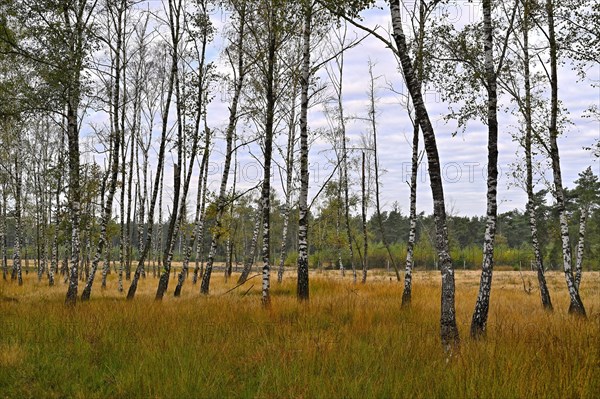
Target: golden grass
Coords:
[[350, 341]]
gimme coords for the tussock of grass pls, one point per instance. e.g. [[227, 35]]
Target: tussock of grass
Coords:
[[350, 341]]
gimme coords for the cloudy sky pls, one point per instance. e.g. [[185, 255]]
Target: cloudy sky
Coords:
[[463, 157]]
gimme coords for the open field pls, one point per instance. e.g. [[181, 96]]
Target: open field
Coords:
[[350, 341]]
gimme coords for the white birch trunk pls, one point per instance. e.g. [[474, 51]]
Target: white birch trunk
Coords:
[[576, 305], [303, 277], [480, 314], [412, 234], [527, 113], [580, 246]]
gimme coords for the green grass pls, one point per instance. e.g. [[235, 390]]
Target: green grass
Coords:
[[350, 341]]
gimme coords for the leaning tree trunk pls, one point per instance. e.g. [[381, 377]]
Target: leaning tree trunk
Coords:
[[116, 140], [174, 228], [539, 263], [221, 206], [249, 261], [222, 201], [479, 321], [576, 305], [449, 329], [197, 232], [200, 226], [178, 204], [303, 290], [106, 217], [157, 183]]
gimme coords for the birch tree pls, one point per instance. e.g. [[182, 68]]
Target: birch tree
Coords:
[[240, 70], [336, 77], [203, 79], [169, 74], [576, 305], [373, 121], [303, 288], [424, 12], [116, 18], [588, 198], [479, 321], [526, 103], [57, 44]]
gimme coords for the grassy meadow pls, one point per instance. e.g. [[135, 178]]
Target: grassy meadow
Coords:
[[350, 341]]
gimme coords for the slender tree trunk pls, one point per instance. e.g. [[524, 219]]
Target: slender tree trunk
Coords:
[[412, 233], [303, 288], [106, 217], [129, 186], [365, 262], [372, 117], [116, 140], [123, 238], [199, 229], [142, 204], [289, 166], [449, 329], [576, 305], [539, 264], [74, 191], [580, 246], [157, 184], [268, 151], [178, 205], [338, 221], [38, 222], [17, 270], [55, 254], [344, 169], [222, 201], [176, 222], [479, 321], [231, 234], [160, 232], [3, 234], [249, 261]]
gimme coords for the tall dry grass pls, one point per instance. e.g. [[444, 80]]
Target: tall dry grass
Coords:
[[350, 341]]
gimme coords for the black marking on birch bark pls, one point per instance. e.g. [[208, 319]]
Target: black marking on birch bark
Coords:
[[303, 277]]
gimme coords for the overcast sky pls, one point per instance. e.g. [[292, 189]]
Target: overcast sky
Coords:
[[463, 157]]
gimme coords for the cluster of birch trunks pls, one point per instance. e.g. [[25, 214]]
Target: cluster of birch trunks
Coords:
[[108, 131]]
